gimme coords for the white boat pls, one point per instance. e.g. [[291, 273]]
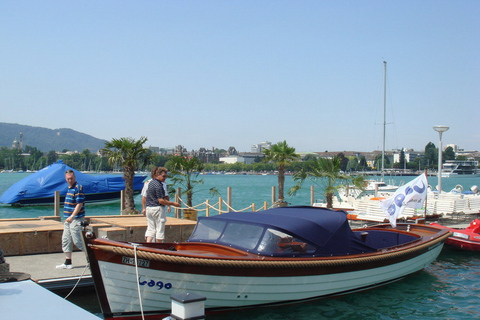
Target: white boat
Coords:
[[248, 259], [460, 167]]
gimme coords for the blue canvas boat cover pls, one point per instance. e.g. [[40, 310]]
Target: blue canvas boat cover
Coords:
[[44, 183], [305, 231]]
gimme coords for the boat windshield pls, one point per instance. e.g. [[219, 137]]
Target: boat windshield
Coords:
[[250, 237]]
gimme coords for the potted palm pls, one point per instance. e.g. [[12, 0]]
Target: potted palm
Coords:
[[129, 153], [281, 154], [327, 174], [185, 173]]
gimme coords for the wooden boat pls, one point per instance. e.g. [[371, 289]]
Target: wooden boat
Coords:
[[249, 259], [467, 239]]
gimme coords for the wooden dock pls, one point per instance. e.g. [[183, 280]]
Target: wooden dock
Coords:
[[34, 246], [44, 235]]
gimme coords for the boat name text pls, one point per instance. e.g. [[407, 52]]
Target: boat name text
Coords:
[[152, 283]]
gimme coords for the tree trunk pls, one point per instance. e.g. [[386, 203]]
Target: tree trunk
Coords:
[[330, 200], [128, 174], [189, 194], [281, 183]]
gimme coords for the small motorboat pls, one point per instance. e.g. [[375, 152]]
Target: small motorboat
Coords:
[[39, 188], [248, 259], [467, 239]]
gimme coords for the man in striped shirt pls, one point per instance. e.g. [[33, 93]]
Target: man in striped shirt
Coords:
[[74, 214]]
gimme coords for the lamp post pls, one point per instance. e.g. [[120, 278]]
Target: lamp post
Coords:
[[440, 130]]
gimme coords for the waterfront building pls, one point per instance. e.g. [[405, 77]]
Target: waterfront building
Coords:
[[258, 148]]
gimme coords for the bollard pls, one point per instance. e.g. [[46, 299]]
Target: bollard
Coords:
[[312, 195], [57, 203], [122, 201], [188, 306]]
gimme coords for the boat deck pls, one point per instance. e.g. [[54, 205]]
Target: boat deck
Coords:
[[27, 300]]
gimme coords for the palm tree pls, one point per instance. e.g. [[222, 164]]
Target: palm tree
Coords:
[[328, 175], [185, 172], [281, 154], [128, 153]]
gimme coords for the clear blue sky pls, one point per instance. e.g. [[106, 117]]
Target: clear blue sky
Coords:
[[236, 73]]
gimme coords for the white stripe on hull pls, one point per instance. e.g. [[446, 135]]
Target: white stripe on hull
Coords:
[[228, 291]]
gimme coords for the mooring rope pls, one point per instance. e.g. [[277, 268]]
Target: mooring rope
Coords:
[[301, 263], [78, 281], [140, 302]]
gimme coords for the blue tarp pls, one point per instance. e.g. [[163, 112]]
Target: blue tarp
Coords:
[[44, 183]]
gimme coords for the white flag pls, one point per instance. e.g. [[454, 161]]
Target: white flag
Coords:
[[411, 195]]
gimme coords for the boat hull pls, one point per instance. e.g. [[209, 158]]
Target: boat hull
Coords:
[[238, 283], [464, 244], [463, 239], [239, 291]]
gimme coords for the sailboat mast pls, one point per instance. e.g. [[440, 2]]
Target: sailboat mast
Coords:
[[384, 114]]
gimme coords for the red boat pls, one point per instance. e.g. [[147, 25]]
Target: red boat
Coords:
[[466, 239]]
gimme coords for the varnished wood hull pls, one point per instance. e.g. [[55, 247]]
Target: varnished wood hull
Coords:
[[229, 278]]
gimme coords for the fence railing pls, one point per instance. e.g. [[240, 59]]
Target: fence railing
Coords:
[[219, 207]]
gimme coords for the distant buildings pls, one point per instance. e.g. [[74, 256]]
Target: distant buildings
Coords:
[[245, 158], [256, 154], [463, 152], [18, 144], [410, 155], [258, 148]]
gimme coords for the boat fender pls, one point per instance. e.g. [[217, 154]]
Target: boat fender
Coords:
[[474, 189], [457, 190]]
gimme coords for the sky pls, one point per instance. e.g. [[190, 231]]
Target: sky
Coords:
[[216, 74]]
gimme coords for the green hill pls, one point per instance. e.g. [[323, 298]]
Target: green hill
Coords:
[[48, 139]]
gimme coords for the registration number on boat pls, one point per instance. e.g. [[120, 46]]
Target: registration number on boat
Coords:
[[140, 262], [460, 235]]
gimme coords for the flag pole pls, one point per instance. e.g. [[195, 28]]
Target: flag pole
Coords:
[[426, 197]]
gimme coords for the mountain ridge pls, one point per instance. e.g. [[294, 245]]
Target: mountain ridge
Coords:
[[45, 139]]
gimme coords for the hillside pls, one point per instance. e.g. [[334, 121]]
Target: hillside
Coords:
[[48, 139]]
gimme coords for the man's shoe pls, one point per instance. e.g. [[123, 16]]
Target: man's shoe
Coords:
[[64, 266]]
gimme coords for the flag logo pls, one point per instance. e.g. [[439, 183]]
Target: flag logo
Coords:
[[411, 195]]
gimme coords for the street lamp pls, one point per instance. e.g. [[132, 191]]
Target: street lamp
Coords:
[[440, 130]]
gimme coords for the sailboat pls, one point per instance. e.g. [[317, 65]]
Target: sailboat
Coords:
[[381, 185], [377, 190]]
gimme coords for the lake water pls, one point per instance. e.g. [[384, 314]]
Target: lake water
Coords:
[[446, 289], [246, 189]]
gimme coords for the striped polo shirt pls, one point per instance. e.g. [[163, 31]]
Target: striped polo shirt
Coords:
[[74, 196]]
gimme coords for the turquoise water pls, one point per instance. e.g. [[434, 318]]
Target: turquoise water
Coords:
[[446, 289], [246, 189]]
